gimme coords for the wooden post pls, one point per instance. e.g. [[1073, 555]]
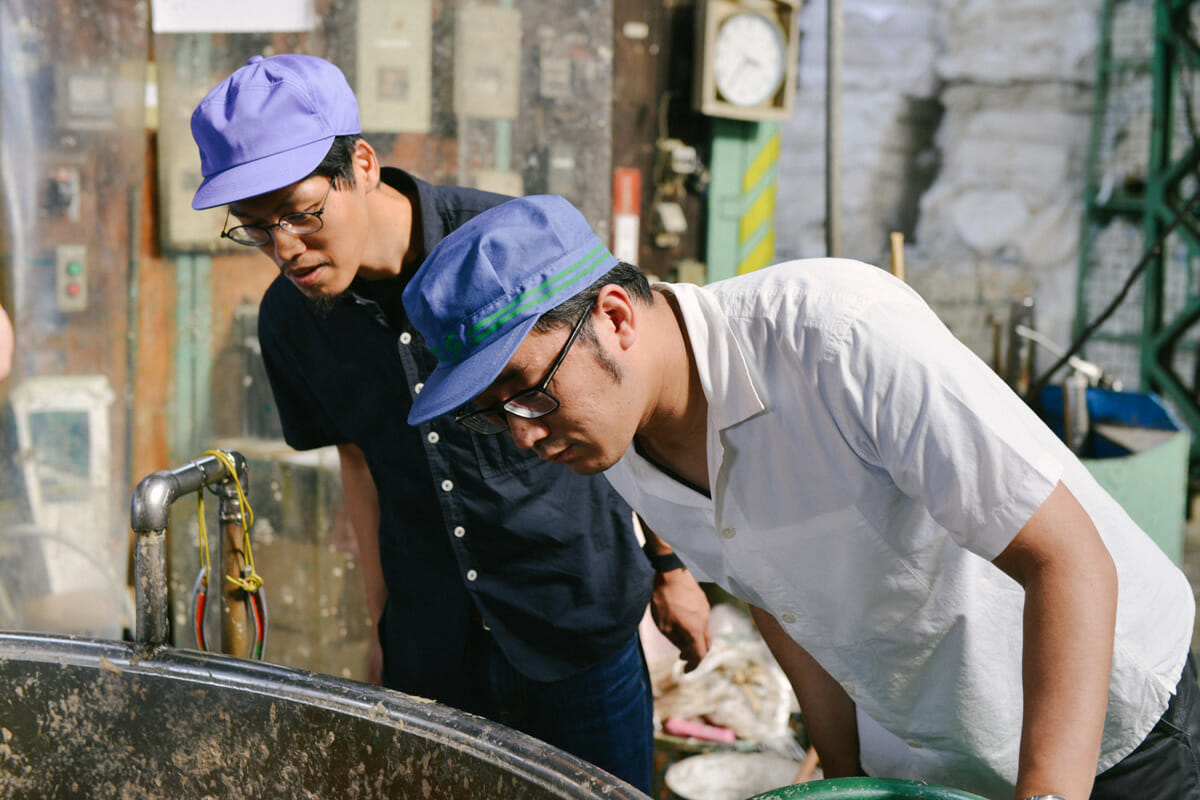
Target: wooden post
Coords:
[[897, 240], [235, 639]]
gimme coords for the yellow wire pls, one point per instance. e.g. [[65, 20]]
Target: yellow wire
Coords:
[[203, 535], [252, 582]]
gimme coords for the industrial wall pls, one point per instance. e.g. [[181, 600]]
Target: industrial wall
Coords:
[[965, 127]]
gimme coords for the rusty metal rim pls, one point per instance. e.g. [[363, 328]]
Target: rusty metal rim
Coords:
[[495, 744]]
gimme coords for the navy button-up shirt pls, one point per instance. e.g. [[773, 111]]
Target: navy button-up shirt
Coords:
[[472, 530]]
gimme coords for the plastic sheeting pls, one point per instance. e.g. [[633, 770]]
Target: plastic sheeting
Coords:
[[72, 160]]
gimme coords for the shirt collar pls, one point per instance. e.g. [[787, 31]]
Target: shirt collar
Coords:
[[725, 375]]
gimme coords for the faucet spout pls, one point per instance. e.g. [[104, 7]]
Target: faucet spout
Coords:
[[149, 511]]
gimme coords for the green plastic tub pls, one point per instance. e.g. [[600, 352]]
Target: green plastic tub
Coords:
[[865, 789]]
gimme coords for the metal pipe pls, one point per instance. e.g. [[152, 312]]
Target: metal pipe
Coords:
[[1020, 349], [833, 129], [150, 588], [1076, 420], [148, 516]]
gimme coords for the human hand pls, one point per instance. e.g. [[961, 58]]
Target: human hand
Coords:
[[375, 662], [680, 610]]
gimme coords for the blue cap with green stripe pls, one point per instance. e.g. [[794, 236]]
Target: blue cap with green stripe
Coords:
[[483, 287]]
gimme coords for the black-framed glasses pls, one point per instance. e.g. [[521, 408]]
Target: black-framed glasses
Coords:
[[526, 404], [298, 222]]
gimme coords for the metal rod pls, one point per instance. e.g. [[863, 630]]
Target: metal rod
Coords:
[[833, 129]]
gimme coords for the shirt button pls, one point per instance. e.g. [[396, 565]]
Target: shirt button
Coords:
[[459, 532], [405, 337], [433, 437], [848, 687], [472, 574], [417, 388], [728, 533], [788, 618], [447, 485]]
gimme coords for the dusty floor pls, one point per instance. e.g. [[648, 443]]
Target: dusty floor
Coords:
[[1191, 562]]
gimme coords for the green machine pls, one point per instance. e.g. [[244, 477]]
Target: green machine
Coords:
[[741, 221], [1141, 227]]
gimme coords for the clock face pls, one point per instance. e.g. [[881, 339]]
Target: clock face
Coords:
[[749, 56]]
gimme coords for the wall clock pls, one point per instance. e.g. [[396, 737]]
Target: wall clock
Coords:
[[749, 58], [747, 54]]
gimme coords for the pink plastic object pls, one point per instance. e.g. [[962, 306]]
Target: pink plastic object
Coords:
[[698, 730]]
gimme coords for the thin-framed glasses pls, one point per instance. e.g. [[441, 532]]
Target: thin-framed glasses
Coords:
[[298, 223], [526, 404]]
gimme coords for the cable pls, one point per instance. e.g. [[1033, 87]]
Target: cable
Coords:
[[249, 581], [1037, 386]]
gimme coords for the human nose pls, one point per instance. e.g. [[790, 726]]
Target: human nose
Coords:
[[287, 245], [526, 432]]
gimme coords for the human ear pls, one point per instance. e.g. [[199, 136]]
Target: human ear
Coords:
[[618, 313], [366, 164]]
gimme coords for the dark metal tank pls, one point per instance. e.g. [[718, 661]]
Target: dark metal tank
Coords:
[[93, 719]]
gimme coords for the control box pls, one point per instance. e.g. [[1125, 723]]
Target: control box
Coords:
[[487, 62], [71, 277]]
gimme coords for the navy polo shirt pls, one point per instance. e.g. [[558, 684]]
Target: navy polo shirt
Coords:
[[473, 531]]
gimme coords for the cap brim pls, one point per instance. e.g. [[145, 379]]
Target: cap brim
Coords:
[[261, 176], [451, 386]]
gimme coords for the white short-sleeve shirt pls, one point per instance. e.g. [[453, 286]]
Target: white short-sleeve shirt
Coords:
[[865, 467]]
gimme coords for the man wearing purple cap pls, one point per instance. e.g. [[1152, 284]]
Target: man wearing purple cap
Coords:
[[934, 570], [500, 585]]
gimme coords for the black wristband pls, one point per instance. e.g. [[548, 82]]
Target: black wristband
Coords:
[[662, 562]]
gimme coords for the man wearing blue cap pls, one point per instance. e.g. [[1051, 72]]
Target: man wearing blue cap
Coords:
[[934, 570], [501, 585]]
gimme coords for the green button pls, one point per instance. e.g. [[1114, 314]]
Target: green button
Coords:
[[74, 268]]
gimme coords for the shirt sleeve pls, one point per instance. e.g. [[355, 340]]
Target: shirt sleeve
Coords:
[[919, 404]]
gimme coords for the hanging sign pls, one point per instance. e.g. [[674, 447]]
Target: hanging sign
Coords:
[[232, 16]]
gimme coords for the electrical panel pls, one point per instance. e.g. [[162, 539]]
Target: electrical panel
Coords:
[[85, 99], [561, 171], [183, 228], [67, 204], [71, 277], [63, 193], [487, 62], [554, 64], [500, 181], [395, 55]]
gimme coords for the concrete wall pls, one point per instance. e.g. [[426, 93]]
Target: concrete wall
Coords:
[[964, 126]]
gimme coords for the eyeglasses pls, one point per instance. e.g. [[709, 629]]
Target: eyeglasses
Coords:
[[527, 404], [298, 222]]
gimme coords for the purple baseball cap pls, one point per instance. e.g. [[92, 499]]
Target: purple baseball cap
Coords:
[[483, 287], [268, 125]]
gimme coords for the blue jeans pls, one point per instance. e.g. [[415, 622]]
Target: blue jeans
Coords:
[[603, 715]]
